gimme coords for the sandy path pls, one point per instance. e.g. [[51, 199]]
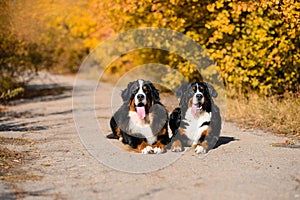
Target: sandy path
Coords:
[[243, 166]]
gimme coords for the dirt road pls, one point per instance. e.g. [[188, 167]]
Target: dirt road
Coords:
[[244, 164]]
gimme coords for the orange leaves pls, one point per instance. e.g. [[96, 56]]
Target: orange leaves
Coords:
[[262, 38]]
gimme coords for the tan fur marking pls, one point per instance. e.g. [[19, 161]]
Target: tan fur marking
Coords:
[[206, 132], [141, 146], [204, 144], [160, 145], [131, 106], [181, 131], [176, 144], [162, 132], [118, 132], [190, 102]]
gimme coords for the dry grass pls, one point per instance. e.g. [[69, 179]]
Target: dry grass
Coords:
[[11, 161], [277, 115]]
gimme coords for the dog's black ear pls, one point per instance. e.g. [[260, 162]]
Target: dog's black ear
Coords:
[[212, 90], [207, 104], [155, 93], [180, 91], [174, 120], [183, 101], [207, 92], [126, 93]]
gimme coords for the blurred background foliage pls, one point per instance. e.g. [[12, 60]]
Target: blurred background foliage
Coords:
[[255, 44]]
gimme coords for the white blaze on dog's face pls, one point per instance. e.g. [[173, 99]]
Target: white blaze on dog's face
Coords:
[[140, 101], [198, 98], [140, 96]]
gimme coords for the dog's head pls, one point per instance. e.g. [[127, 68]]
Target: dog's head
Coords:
[[195, 96], [140, 95]]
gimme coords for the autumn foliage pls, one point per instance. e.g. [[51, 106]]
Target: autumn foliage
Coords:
[[255, 44]]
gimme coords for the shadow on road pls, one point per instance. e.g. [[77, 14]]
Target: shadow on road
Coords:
[[224, 140], [23, 194], [33, 93]]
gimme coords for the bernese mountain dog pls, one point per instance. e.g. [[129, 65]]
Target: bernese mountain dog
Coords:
[[142, 120], [197, 122]]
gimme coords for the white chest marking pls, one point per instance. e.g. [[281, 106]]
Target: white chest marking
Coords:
[[136, 126], [194, 129]]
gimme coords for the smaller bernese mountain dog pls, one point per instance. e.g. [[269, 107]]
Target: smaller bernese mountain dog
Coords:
[[142, 120], [197, 122]]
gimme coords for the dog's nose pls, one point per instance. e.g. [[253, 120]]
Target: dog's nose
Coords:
[[199, 96], [140, 97]]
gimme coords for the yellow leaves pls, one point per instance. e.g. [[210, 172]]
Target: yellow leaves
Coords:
[[211, 7], [173, 2], [195, 36], [254, 82], [250, 40], [91, 43], [219, 4]]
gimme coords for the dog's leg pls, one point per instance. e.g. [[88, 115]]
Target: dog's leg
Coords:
[[158, 147], [116, 131], [200, 142], [145, 148], [179, 140], [175, 119], [176, 146]]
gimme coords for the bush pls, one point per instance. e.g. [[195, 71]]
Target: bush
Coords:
[[19, 59], [19, 62], [255, 43]]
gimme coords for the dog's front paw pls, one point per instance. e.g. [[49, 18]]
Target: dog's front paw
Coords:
[[200, 149], [147, 150], [176, 146], [176, 149], [157, 150]]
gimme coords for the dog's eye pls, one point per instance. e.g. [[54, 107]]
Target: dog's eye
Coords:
[[194, 88], [135, 90], [146, 89]]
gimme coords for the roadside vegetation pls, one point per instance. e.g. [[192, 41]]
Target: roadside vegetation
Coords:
[[275, 114], [255, 45]]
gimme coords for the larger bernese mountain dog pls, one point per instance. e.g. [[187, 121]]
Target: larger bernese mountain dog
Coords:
[[197, 122], [142, 120]]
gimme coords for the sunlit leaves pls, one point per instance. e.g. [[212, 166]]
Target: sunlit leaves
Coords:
[[262, 53], [254, 43]]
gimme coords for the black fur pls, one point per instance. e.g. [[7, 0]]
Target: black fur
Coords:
[[184, 93], [120, 119]]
